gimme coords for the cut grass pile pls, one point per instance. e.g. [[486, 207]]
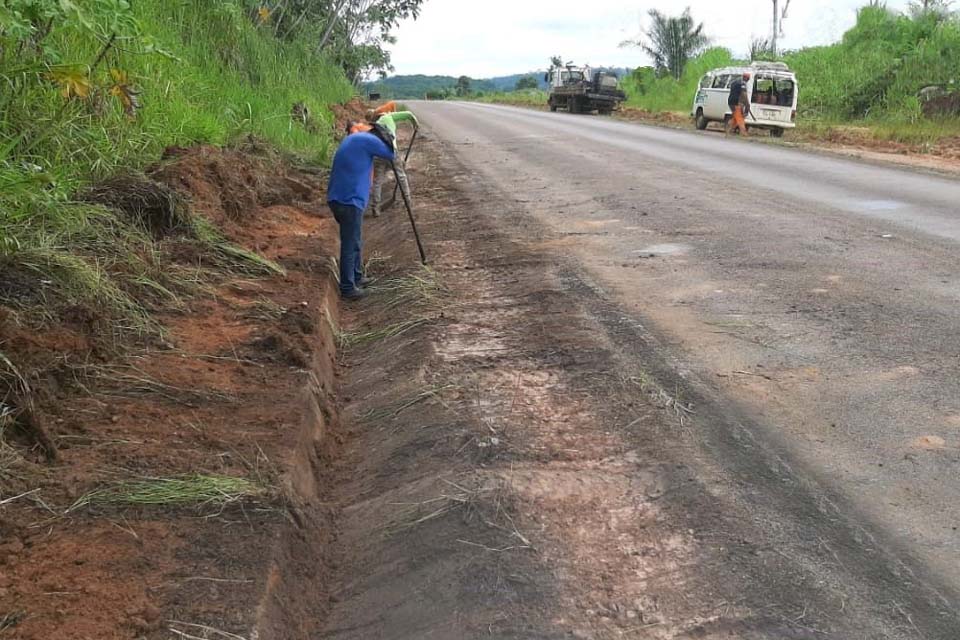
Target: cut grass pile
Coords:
[[420, 289], [198, 490], [362, 338]]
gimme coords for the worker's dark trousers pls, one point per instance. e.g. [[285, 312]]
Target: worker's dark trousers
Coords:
[[350, 220]]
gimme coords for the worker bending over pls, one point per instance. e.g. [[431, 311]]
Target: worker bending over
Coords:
[[381, 169], [347, 195], [387, 117]]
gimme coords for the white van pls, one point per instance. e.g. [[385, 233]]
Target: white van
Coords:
[[773, 94]]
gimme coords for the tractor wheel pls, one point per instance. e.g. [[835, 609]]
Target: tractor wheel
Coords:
[[702, 122], [553, 106], [574, 105]]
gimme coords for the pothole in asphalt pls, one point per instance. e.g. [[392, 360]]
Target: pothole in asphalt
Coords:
[[667, 249]]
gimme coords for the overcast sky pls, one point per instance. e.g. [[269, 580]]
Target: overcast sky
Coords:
[[486, 38]]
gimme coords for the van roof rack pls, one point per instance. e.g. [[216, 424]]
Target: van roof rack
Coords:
[[778, 66]]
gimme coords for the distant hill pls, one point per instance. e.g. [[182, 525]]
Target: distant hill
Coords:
[[417, 86]]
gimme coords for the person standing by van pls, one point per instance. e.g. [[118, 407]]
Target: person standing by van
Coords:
[[739, 103]]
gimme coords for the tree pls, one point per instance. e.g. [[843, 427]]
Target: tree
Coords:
[[463, 86], [354, 33], [556, 62], [527, 82], [761, 49], [939, 10], [672, 42]]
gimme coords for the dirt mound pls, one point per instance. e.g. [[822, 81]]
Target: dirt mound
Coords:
[[353, 110], [228, 186], [944, 106], [668, 118], [149, 204]]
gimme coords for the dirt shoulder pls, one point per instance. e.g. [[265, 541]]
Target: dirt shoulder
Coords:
[[849, 141]]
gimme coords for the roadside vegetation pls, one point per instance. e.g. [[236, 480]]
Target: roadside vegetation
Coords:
[[96, 92], [893, 77], [102, 89], [893, 73]]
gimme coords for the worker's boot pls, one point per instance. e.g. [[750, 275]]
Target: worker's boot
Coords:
[[356, 294]]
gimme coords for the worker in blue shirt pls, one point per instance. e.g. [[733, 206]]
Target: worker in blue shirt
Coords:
[[347, 196]]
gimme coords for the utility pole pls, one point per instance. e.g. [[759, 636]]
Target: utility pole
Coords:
[[776, 26], [778, 17]]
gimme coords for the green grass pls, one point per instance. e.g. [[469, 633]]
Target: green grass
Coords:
[[527, 97], [222, 78]]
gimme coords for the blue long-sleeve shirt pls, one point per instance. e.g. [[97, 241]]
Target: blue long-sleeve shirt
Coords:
[[352, 169]]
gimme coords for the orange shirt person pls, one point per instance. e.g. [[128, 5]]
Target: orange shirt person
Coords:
[[389, 107], [739, 103]]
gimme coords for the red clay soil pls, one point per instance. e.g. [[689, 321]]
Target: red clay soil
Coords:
[[354, 110], [241, 385]]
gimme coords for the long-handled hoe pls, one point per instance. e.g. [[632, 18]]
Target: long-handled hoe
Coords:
[[413, 222], [406, 159]]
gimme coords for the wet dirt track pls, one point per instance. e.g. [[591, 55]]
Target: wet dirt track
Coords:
[[805, 304]]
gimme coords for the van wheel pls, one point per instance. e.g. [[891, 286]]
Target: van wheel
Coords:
[[776, 133], [702, 122]]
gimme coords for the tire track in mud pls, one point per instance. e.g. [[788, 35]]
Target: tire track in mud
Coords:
[[525, 463]]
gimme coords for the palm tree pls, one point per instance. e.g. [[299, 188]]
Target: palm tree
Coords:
[[672, 41]]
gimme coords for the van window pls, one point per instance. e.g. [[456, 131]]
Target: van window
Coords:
[[706, 82], [721, 82], [775, 91]]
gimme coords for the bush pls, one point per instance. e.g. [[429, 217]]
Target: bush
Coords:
[[646, 91]]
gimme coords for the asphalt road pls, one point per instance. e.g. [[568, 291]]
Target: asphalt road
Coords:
[[818, 295]]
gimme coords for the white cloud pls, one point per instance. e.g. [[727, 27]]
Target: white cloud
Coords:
[[499, 37]]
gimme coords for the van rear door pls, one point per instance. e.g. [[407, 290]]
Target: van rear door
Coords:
[[773, 99]]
